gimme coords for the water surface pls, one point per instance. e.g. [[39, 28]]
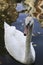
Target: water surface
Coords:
[[37, 39]]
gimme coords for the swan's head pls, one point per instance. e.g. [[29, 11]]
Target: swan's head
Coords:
[[28, 24]]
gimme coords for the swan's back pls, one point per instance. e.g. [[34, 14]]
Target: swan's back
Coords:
[[14, 42]]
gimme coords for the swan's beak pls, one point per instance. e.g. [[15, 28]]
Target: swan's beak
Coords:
[[26, 29]]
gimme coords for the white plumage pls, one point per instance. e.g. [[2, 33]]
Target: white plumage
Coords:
[[16, 44]]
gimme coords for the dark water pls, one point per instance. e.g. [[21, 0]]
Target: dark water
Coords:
[[20, 24], [6, 59]]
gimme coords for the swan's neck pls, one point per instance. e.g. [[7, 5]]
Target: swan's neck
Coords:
[[28, 41]]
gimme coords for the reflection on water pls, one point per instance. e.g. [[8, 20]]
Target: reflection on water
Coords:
[[20, 7]]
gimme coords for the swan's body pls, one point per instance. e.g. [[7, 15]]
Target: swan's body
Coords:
[[18, 45]]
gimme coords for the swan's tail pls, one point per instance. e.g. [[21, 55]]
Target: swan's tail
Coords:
[[6, 25]]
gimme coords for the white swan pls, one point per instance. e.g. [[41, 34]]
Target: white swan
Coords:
[[17, 44]]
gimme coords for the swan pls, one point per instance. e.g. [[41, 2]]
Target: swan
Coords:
[[18, 44]]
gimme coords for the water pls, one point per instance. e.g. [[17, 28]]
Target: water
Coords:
[[21, 19], [37, 39], [20, 24]]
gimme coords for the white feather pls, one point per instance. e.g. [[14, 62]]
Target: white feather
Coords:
[[15, 43]]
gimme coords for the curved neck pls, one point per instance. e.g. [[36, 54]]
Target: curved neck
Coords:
[[28, 41], [29, 36]]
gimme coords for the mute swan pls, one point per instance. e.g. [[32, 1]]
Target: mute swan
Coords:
[[19, 44]]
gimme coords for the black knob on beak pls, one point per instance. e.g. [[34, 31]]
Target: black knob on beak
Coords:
[[24, 34]]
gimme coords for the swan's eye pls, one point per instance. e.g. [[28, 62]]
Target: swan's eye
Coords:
[[28, 24]]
